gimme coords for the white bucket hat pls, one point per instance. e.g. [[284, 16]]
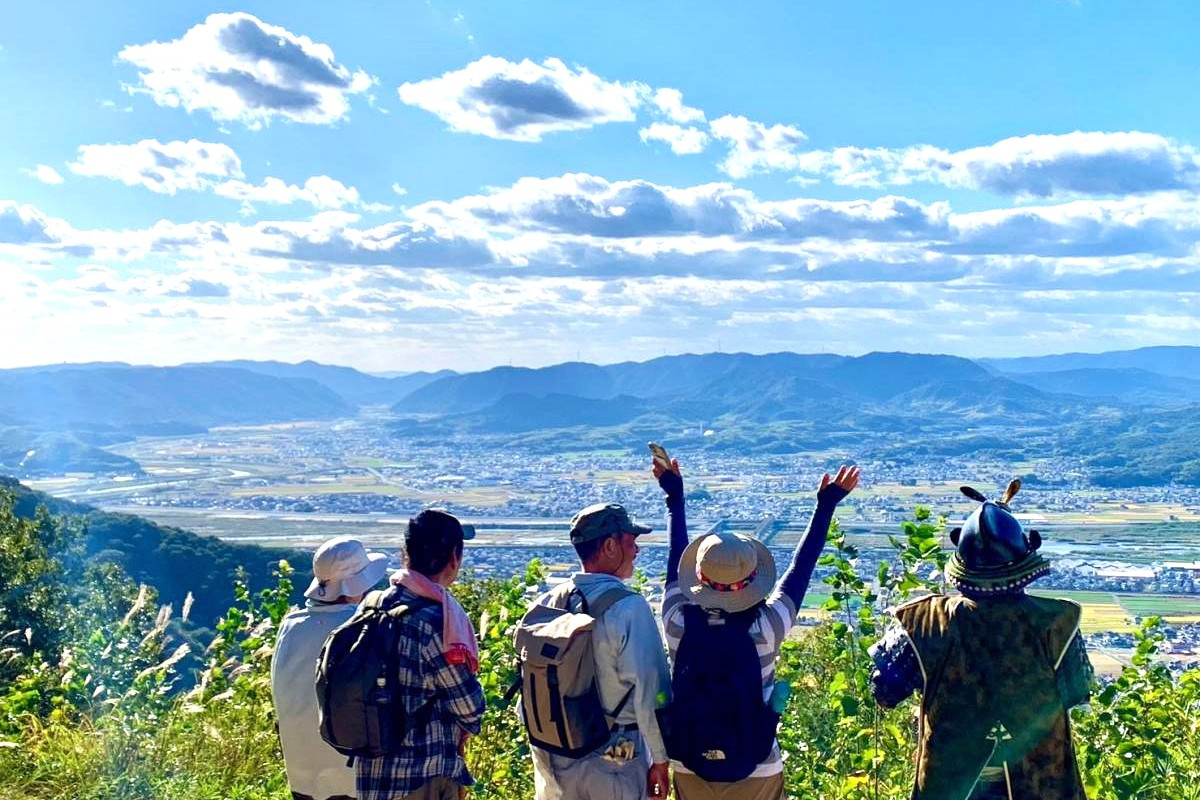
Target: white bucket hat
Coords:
[[343, 567], [726, 571]]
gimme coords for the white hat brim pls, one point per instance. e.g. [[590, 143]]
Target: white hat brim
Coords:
[[707, 597], [351, 585]]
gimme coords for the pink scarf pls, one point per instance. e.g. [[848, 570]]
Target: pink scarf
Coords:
[[458, 634]]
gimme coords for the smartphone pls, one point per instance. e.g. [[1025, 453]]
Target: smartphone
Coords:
[[659, 454]]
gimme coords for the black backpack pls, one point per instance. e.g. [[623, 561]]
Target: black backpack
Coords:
[[717, 723], [359, 708]]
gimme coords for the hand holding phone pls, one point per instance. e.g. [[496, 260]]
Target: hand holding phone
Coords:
[[659, 454]]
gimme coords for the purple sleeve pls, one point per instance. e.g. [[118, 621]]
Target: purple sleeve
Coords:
[[672, 486], [794, 582]]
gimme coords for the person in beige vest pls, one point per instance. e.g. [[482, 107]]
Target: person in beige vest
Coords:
[[997, 670], [343, 571]]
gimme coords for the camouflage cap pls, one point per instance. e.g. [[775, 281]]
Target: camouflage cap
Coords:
[[603, 519]]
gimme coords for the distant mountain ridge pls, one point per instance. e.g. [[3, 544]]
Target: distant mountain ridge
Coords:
[[56, 420], [875, 374], [1179, 361], [35, 452], [775, 402], [354, 387], [133, 398], [1122, 421], [1126, 384], [769, 386]]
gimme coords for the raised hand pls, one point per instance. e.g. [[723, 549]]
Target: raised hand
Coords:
[[671, 480], [836, 488]]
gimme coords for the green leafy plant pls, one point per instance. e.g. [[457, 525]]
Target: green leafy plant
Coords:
[[94, 704], [1141, 736]]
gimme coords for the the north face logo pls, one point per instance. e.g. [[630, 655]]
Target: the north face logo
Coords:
[[714, 755]]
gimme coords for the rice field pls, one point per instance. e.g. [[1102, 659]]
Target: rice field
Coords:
[[1115, 613], [1171, 608]]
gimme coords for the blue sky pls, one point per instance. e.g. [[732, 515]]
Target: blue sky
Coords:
[[423, 185]]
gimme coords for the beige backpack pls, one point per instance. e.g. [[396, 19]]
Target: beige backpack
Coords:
[[560, 700]]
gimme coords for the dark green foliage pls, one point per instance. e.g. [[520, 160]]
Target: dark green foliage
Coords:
[[95, 711], [175, 561], [1141, 737]]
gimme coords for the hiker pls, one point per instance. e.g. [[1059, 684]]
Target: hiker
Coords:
[[436, 669], [725, 620], [343, 571], [997, 669], [604, 744]]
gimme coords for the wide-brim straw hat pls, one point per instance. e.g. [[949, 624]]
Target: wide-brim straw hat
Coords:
[[726, 571]]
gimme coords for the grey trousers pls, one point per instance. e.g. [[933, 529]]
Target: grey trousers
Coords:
[[592, 777]]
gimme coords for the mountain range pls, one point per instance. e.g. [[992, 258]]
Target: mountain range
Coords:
[[59, 417]]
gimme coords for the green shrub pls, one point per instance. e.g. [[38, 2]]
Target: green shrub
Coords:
[[93, 706]]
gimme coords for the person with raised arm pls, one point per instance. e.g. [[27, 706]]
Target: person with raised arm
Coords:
[[725, 619]]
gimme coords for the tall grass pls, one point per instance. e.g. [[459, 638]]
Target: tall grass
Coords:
[[94, 707]]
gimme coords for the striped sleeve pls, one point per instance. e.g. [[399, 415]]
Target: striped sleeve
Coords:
[[672, 616], [777, 618]]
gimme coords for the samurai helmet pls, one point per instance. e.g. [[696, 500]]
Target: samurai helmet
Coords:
[[994, 555]]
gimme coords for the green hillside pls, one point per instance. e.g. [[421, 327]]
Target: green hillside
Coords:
[[173, 561]]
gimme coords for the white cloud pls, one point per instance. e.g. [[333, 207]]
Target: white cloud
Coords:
[[22, 224], [45, 174], [682, 141], [162, 167], [586, 205], [319, 191], [235, 67], [1079, 163], [754, 147], [1165, 224], [670, 103], [399, 190], [327, 287], [194, 287], [170, 167], [524, 101], [523, 265], [586, 225]]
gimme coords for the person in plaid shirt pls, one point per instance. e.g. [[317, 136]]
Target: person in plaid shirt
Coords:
[[437, 662]]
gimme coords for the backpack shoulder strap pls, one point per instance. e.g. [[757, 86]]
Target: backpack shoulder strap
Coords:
[[597, 608], [388, 601], [607, 599], [693, 615], [376, 601], [745, 619], [560, 596]]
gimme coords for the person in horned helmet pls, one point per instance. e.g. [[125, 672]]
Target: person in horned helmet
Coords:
[[997, 669]]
